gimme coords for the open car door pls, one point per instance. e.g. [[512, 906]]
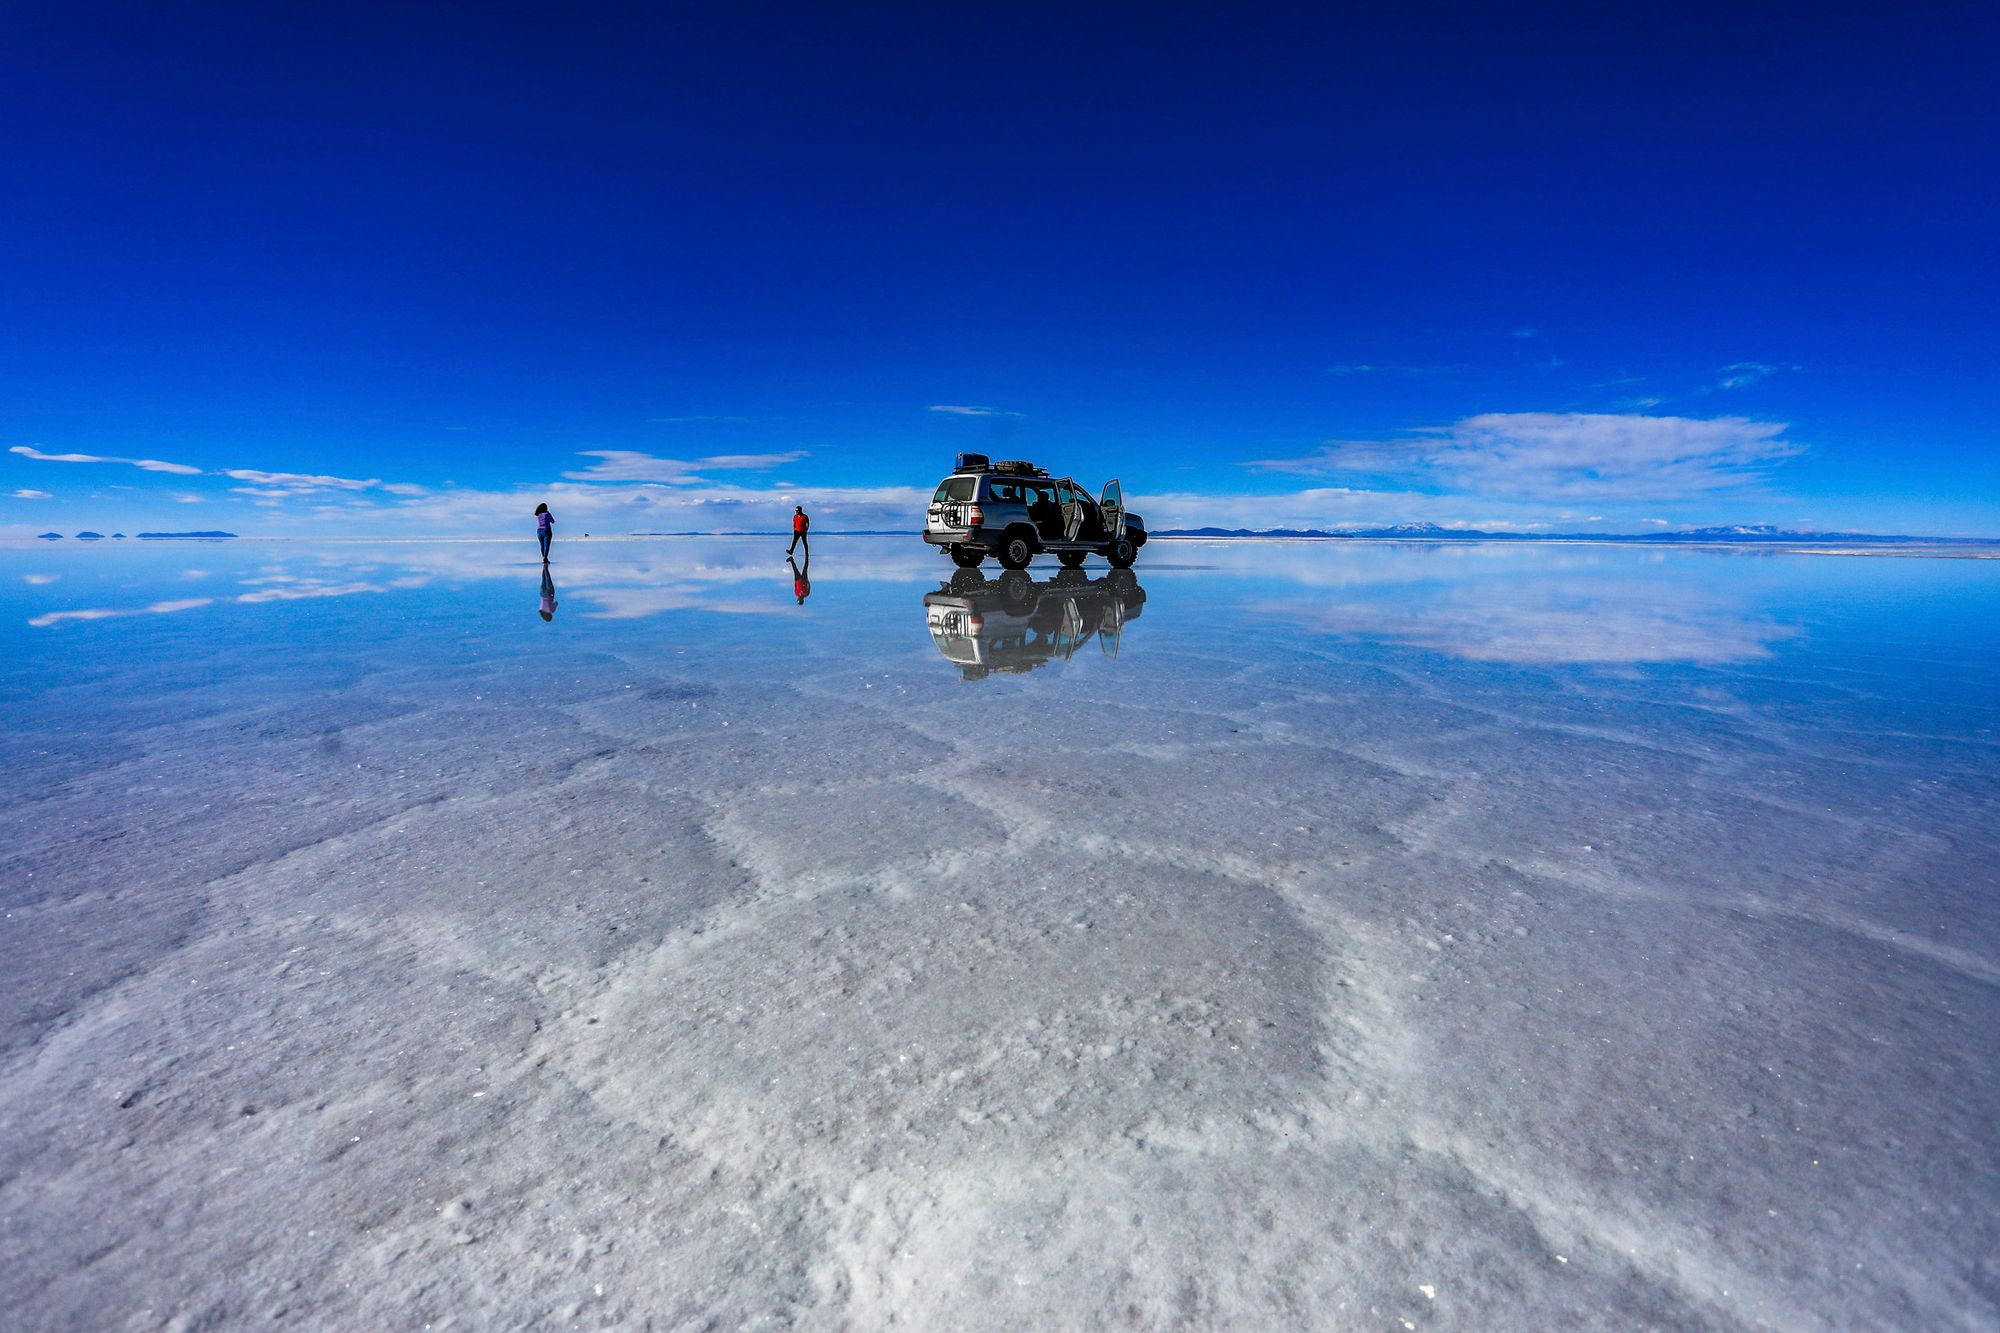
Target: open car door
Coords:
[[1072, 510], [1112, 502]]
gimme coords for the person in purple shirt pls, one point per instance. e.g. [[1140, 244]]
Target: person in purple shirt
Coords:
[[545, 528]]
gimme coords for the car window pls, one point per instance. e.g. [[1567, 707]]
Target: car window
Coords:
[[1004, 492], [954, 488], [1039, 492]]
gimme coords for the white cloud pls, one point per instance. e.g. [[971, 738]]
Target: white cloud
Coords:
[[39, 579], [1356, 368], [1567, 456], [1744, 373], [28, 452], [1523, 333], [149, 464], [300, 483], [26, 494], [962, 410], [633, 465]]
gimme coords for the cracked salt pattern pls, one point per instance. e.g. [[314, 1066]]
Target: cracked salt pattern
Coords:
[[1303, 935]]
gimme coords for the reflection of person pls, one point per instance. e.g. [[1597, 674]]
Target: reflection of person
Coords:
[[801, 578], [799, 525], [548, 594], [545, 529]]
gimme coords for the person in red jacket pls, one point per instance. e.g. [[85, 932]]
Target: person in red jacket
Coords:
[[799, 525]]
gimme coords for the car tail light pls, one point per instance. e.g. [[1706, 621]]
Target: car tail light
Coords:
[[973, 517], [973, 624]]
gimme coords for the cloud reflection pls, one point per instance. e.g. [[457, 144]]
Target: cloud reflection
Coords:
[[1501, 604], [111, 613]]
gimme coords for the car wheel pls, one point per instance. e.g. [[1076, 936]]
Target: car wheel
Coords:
[[1121, 553], [1071, 559], [1016, 551], [966, 557], [1017, 593]]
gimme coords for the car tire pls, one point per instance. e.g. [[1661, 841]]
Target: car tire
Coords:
[[1071, 559], [1121, 553], [966, 557], [1016, 550], [1017, 593]]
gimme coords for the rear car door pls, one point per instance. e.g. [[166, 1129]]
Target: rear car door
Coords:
[[1072, 509], [1044, 509]]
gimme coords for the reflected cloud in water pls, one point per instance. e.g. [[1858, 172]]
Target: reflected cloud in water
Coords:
[[1558, 622], [49, 618], [1535, 605], [1489, 603], [1015, 624], [616, 579]]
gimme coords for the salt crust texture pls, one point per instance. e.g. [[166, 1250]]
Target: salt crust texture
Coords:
[[1302, 985]]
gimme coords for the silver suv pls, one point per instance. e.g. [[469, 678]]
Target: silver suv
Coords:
[[1015, 510]]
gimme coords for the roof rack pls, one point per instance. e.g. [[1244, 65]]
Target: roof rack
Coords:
[[1013, 467]]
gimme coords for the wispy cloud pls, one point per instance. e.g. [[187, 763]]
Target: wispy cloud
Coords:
[[1568, 456], [301, 483], [965, 410], [633, 465], [148, 464], [1743, 374], [1523, 333], [1373, 368], [25, 494]]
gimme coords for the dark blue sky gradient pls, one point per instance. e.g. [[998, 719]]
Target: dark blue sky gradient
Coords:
[[463, 246]]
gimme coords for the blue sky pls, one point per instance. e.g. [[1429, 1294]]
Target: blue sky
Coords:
[[323, 269]]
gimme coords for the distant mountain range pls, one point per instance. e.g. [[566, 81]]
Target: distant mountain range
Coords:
[[88, 536], [1733, 534]]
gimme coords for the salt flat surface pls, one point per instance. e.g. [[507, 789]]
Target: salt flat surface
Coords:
[[1294, 935]]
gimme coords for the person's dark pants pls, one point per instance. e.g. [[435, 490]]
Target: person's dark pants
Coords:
[[798, 540], [544, 534]]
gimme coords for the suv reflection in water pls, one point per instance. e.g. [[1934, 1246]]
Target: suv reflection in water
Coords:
[[1014, 623]]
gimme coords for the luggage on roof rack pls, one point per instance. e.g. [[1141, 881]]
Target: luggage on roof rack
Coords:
[[971, 463], [1018, 467]]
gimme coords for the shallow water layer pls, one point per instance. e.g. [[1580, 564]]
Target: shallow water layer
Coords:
[[1322, 934]]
